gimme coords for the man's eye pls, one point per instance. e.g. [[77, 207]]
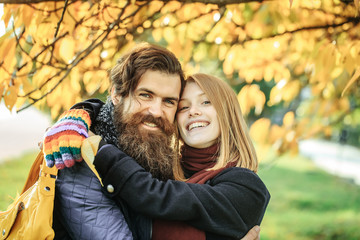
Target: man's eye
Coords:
[[170, 102], [144, 95]]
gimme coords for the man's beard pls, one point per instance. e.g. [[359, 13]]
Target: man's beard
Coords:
[[151, 149]]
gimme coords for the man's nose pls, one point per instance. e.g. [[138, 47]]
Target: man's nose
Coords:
[[155, 108]]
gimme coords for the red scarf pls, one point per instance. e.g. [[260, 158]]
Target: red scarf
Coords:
[[199, 160], [195, 160]]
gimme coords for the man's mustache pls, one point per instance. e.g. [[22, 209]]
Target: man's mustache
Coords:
[[163, 124]]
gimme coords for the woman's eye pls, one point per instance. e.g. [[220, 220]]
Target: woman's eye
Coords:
[[206, 102], [183, 108]]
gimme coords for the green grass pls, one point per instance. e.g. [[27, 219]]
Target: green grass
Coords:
[[306, 202], [13, 174]]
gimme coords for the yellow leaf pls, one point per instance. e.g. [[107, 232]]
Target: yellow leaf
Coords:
[[91, 87], [25, 85], [67, 49], [68, 99], [259, 130], [336, 72], [2, 87], [288, 119], [189, 45], [227, 67], [75, 80], [7, 14], [20, 102], [244, 100], [176, 47], [268, 73], [55, 111], [36, 94], [356, 2], [42, 75], [89, 149], [27, 15], [10, 97], [344, 104], [200, 52], [5, 36], [104, 86], [170, 6], [222, 51], [55, 97], [291, 90], [42, 33], [250, 75], [276, 133], [259, 99], [352, 80], [157, 34], [7, 51], [349, 63]]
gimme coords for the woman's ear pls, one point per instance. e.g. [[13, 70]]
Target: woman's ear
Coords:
[[114, 97]]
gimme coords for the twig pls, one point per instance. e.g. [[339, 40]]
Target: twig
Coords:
[[61, 19]]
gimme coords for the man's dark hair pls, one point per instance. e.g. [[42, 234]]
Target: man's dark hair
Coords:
[[126, 74]]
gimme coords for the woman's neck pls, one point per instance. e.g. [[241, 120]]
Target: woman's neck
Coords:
[[197, 159]]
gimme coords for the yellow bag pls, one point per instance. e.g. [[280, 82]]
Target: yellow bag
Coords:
[[30, 216]]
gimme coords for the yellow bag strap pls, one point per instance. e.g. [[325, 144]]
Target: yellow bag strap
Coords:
[[34, 172]]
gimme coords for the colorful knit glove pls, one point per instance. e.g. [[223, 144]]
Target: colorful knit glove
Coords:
[[62, 142]]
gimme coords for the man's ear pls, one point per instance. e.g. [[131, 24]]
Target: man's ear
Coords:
[[114, 97]]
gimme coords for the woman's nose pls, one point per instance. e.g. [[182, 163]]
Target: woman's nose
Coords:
[[194, 111]]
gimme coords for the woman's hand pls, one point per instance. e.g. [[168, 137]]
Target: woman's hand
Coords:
[[62, 142], [253, 234]]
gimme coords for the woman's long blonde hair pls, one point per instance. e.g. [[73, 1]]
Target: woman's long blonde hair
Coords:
[[235, 143]]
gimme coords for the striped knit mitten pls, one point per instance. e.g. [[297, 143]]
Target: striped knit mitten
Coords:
[[62, 142]]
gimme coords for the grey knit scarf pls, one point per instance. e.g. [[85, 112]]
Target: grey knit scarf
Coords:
[[104, 124]]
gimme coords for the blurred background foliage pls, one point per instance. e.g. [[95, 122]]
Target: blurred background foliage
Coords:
[[294, 64]]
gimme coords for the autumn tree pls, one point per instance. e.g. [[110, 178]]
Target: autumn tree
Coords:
[[301, 55]]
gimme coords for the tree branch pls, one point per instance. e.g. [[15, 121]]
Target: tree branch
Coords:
[[27, 1], [61, 19], [217, 2], [307, 28]]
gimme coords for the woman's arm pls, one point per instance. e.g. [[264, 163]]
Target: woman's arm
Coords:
[[92, 106], [62, 142], [231, 204]]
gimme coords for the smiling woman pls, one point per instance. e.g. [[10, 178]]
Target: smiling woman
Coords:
[[197, 118]]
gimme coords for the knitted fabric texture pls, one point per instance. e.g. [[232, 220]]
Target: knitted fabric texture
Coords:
[[62, 143], [104, 124]]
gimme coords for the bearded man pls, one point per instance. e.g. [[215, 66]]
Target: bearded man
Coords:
[[145, 88]]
